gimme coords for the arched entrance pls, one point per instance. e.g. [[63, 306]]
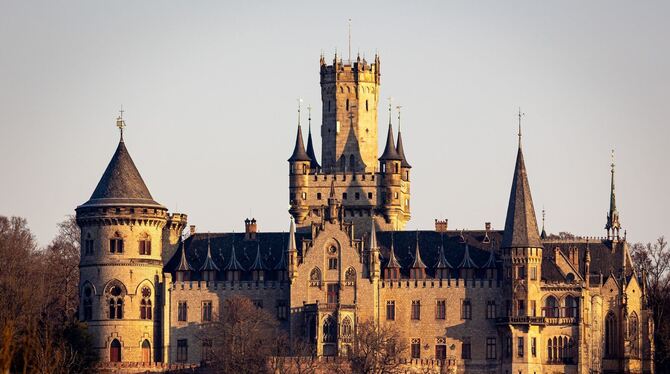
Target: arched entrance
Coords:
[[146, 351], [115, 351]]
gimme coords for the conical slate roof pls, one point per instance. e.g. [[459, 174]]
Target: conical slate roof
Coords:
[[299, 153], [233, 264], [121, 183], [183, 262], [393, 262], [314, 164], [467, 262], [390, 152], [442, 262], [258, 262], [520, 225], [401, 152], [491, 262]]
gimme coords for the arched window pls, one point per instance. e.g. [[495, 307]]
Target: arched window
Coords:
[[633, 333], [329, 330], [347, 330], [145, 304], [610, 335], [88, 303], [347, 104], [350, 276], [115, 293], [315, 277], [550, 307], [146, 351], [115, 351], [571, 306]]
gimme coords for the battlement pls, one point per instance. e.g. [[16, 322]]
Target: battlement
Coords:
[[440, 283], [359, 70]]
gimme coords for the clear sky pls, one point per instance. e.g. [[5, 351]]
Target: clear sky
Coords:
[[210, 88]]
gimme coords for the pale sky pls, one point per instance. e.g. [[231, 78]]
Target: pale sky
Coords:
[[209, 92]]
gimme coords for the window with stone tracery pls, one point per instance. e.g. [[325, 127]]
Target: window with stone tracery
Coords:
[[145, 304], [115, 294]]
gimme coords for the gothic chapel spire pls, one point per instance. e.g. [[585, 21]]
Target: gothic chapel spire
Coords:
[[613, 225]]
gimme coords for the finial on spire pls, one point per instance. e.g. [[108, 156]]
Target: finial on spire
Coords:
[[390, 99], [309, 117], [299, 104], [349, 40], [398, 107], [519, 134], [120, 123]]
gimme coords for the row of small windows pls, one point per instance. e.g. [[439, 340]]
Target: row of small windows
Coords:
[[367, 106], [345, 196], [558, 349], [440, 309], [116, 245], [207, 311]]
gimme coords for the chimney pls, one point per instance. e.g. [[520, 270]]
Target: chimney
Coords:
[[441, 226], [191, 230], [487, 226], [250, 229]]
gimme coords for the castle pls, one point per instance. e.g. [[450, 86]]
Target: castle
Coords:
[[511, 301]]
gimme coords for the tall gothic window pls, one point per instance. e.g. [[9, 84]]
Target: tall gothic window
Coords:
[[115, 295], [88, 303], [610, 335], [145, 304], [550, 307], [329, 330], [633, 334], [347, 329]]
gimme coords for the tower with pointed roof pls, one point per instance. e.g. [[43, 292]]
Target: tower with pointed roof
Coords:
[[613, 226], [522, 258], [123, 230], [367, 185]]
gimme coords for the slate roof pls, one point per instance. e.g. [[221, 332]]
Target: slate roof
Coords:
[[401, 152], [606, 256], [299, 153], [121, 183], [314, 164], [390, 152], [520, 224]]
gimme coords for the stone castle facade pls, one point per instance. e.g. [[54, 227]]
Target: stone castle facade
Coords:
[[477, 301]]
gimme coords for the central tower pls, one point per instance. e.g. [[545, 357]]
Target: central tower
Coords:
[[349, 95]]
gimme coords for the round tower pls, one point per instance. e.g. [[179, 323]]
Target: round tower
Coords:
[[121, 263], [390, 180], [299, 169]]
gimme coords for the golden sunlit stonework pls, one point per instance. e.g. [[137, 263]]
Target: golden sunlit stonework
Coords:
[[511, 301]]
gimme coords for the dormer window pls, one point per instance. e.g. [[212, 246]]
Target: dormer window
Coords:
[[116, 244]]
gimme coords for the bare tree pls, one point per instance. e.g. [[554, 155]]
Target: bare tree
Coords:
[[295, 356], [241, 338], [377, 349]]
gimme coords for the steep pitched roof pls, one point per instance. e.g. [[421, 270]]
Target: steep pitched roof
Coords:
[[442, 262], [121, 183], [467, 262], [258, 262], [183, 262], [233, 264], [314, 164], [209, 264], [418, 263], [520, 225], [392, 262], [401, 152], [299, 153], [390, 152]]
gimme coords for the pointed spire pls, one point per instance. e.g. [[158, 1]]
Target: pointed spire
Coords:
[[467, 262], [418, 263], [209, 264], [399, 147], [520, 224], [314, 164], [299, 153], [392, 262], [233, 264], [390, 152], [543, 234], [613, 225], [183, 262], [291, 237], [373, 233], [121, 183], [442, 262], [258, 262]]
